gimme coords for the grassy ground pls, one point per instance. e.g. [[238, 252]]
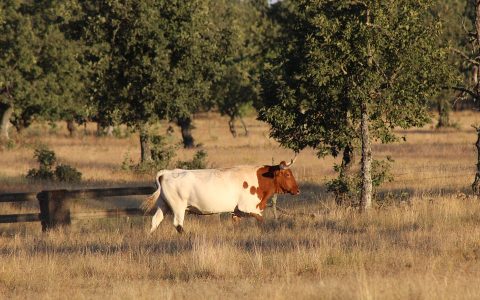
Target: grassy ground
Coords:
[[424, 244]]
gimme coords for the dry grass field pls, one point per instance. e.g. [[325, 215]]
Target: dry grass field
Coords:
[[421, 242]]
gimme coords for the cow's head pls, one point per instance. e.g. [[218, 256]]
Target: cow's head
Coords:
[[284, 180]]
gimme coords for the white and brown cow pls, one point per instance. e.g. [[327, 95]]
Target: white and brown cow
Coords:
[[241, 190]]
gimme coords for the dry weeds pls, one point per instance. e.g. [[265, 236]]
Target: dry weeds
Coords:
[[425, 244]]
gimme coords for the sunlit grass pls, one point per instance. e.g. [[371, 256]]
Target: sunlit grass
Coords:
[[423, 243]]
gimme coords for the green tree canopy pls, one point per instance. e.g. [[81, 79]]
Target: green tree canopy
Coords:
[[244, 28], [40, 73], [343, 64], [151, 59]]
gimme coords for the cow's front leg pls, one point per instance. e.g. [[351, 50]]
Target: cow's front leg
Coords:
[[263, 203], [258, 217]]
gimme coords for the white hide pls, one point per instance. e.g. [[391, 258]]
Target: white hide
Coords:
[[208, 190]]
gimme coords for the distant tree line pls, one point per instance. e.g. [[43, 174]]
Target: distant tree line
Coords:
[[331, 75], [130, 62]]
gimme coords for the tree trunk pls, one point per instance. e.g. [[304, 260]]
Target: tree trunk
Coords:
[[477, 27], [244, 126], [366, 192], [476, 182], [99, 129], [72, 129], [145, 153], [104, 130], [348, 159], [366, 198], [231, 126], [443, 113], [6, 111], [109, 130], [23, 120], [186, 129]]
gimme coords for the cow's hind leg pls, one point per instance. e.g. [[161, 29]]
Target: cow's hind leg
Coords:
[[179, 216], [178, 220], [162, 209]]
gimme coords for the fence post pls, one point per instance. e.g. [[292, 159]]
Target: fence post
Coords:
[[54, 209]]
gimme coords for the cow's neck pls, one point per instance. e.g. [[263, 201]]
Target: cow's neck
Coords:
[[267, 185]]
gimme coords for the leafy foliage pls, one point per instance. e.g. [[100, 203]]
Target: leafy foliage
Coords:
[[347, 189], [198, 162], [162, 154], [40, 71], [150, 59], [47, 160], [245, 30], [45, 157], [336, 62], [66, 173]]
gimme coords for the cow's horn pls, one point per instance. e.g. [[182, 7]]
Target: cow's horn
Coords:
[[292, 161]]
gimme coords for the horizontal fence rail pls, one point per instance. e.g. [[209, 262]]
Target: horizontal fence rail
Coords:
[[18, 197], [15, 218], [108, 213], [55, 205], [111, 192]]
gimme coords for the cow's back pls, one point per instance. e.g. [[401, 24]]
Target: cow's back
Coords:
[[209, 190]]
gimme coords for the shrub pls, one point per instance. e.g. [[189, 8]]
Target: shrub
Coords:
[[45, 157], [41, 173], [198, 161], [162, 154], [47, 160], [67, 173], [347, 190]]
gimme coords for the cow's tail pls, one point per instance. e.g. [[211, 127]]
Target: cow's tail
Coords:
[[149, 204]]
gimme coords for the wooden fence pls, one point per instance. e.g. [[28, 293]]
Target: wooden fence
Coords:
[[55, 205]]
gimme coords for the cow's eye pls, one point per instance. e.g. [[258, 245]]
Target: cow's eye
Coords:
[[287, 175]]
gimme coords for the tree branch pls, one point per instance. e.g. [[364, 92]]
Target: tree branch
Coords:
[[466, 90], [465, 56]]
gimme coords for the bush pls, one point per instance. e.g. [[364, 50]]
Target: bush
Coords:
[[198, 161], [66, 173], [347, 190], [162, 154], [47, 160], [42, 173], [45, 157]]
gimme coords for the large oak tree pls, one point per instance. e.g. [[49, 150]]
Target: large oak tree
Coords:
[[40, 71], [346, 73], [151, 60]]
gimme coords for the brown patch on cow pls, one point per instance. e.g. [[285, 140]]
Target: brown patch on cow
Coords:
[[266, 184], [253, 190], [245, 185], [274, 180]]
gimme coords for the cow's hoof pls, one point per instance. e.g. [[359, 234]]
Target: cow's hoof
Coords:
[[179, 229]]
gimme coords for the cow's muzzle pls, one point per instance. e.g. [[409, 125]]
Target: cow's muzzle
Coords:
[[296, 192]]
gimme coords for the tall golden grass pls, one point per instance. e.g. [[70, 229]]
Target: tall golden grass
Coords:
[[423, 244]]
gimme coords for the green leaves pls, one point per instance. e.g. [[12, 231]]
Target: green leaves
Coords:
[[39, 65], [154, 59], [332, 56]]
